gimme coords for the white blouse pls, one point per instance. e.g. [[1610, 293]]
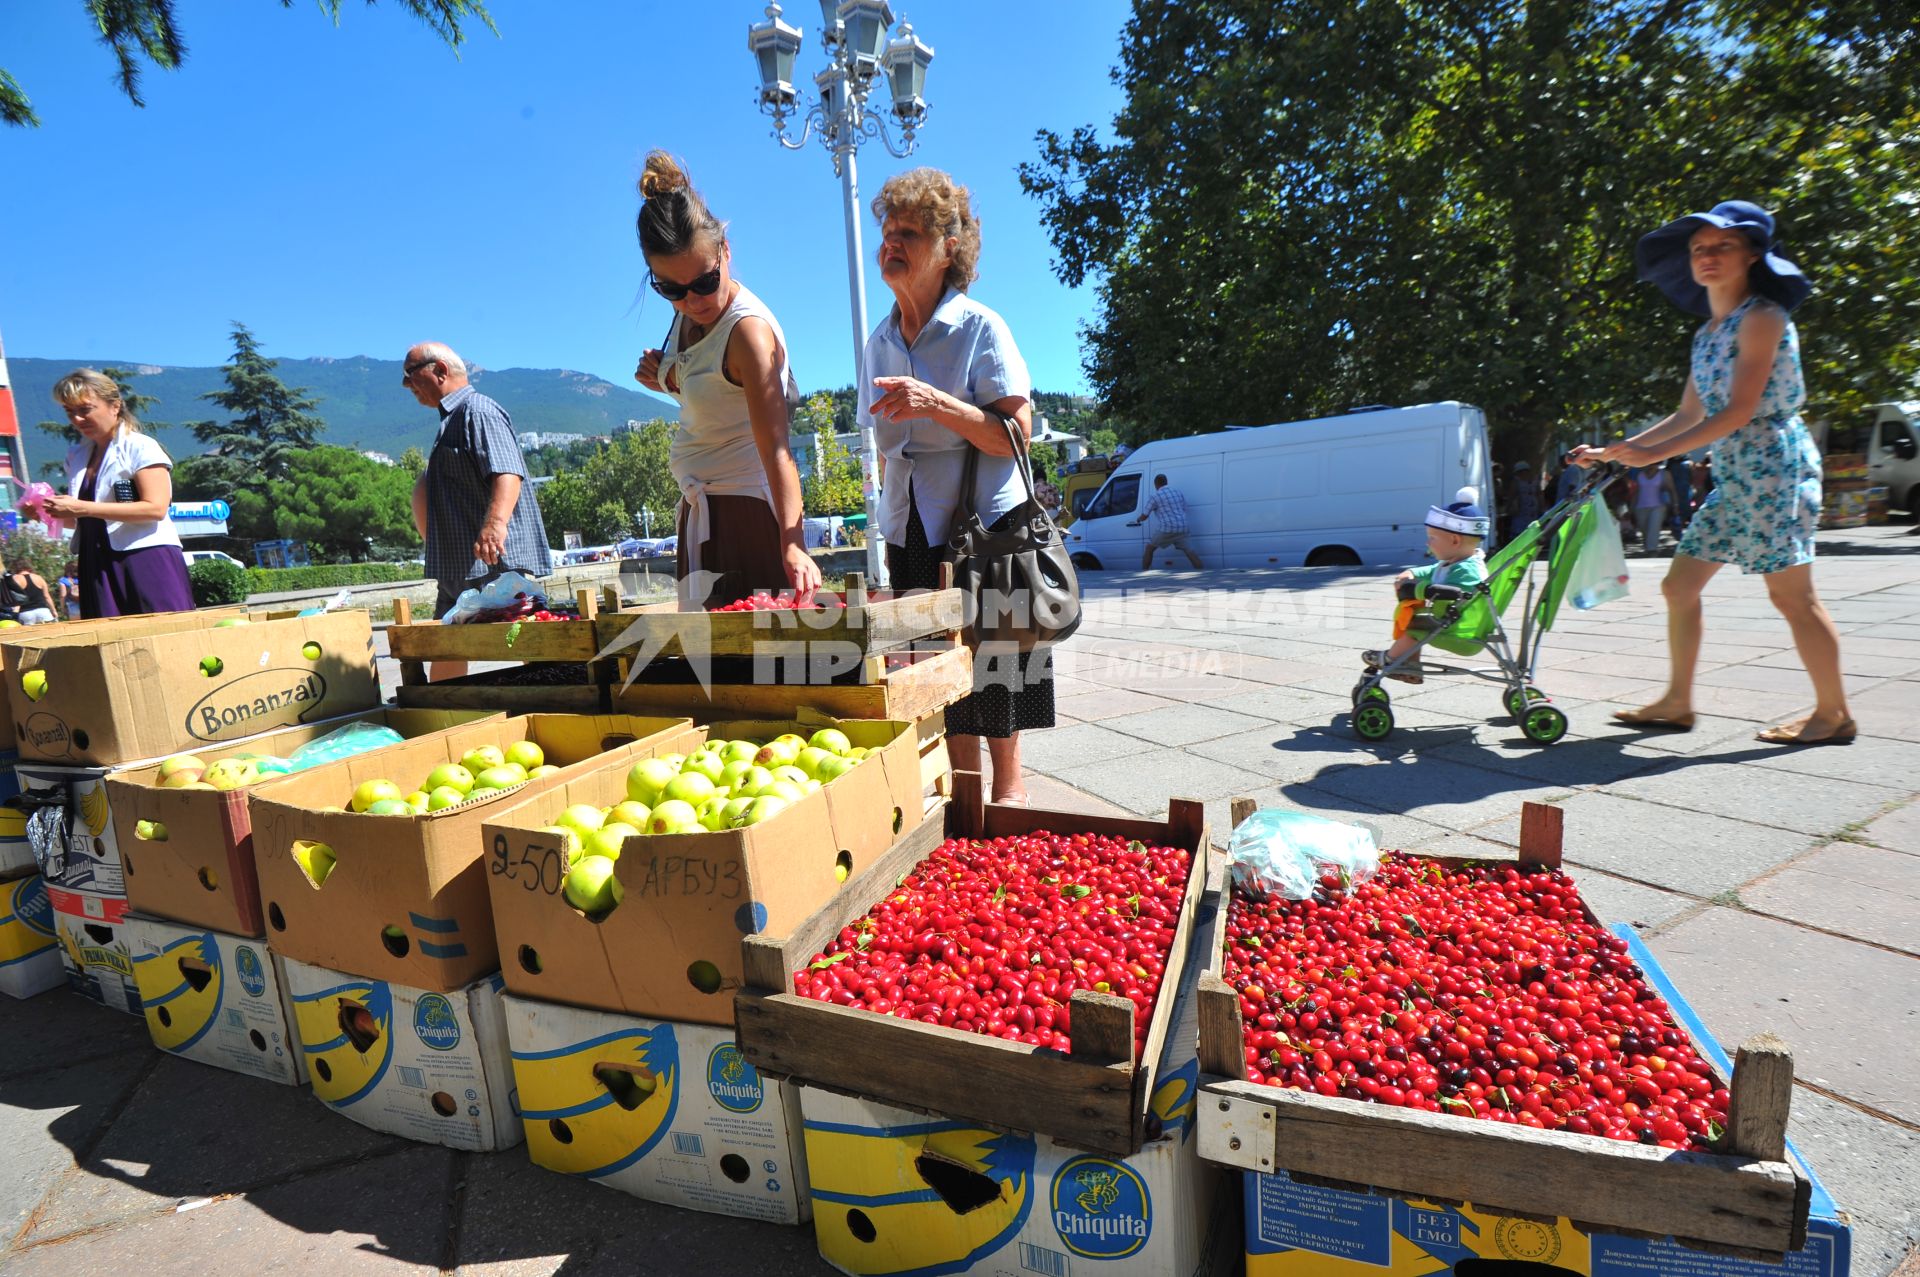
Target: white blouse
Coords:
[[127, 454]]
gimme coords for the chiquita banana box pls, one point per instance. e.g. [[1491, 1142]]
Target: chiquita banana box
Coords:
[[69, 828], [29, 953], [898, 1193], [91, 932], [667, 1112], [215, 998], [429, 1066], [16, 853]]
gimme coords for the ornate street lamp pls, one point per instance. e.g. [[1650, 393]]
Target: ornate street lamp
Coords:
[[854, 35]]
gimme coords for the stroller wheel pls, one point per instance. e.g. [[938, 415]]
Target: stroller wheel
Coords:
[[1373, 720], [1363, 692], [1518, 699], [1544, 724]]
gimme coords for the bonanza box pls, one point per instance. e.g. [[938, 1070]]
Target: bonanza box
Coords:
[[407, 898], [667, 1112], [221, 1000], [199, 869], [102, 696], [671, 949], [92, 931]]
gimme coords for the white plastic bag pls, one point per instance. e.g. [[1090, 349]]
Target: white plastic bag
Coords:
[[1599, 571], [1285, 853], [508, 597]]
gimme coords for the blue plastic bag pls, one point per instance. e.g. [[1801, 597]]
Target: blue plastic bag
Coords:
[[1285, 853], [345, 742]]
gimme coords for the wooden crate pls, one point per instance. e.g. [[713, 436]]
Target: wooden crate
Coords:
[[1747, 1199], [908, 684], [549, 650], [1094, 1098]]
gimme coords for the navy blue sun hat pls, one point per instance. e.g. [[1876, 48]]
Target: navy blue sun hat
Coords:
[[1463, 516], [1664, 260]]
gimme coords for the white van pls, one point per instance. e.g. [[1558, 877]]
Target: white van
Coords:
[[1893, 454], [1341, 490]]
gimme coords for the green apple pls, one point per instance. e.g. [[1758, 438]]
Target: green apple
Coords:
[[779, 752], [450, 776], [675, 761], [792, 775], [311, 651], [630, 813], [179, 762], [445, 796], [646, 778], [316, 858], [689, 787], [544, 769], [483, 791], [609, 839], [831, 739], [417, 801], [369, 792], [211, 666], [858, 752], [583, 817], [479, 759], [713, 815], [736, 808], [234, 773], [34, 684], [739, 751], [149, 831], [756, 779], [833, 769], [568, 839], [705, 763], [526, 755], [674, 816], [591, 885], [732, 774], [811, 785], [785, 790], [762, 808], [230, 622], [505, 776], [391, 807], [810, 758]]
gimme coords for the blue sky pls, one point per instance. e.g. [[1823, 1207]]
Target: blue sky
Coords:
[[349, 191]]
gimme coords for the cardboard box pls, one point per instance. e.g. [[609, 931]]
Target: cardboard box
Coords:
[[671, 949], [221, 1000], [93, 947], [202, 871], [29, 955], [406, 901], [85, 855], [667, 1112], [426, 1065], [900, 1192], [16, 853], [112, 696]]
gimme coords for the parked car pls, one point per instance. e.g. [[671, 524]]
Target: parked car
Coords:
[[202, 556], [1333, 491]]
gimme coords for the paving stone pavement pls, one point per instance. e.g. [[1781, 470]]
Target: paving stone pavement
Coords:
[[1781, 890]]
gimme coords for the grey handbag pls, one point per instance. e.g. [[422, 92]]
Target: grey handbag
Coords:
[[1018, 579]]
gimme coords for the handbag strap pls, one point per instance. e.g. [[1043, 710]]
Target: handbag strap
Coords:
[[1022, 459]]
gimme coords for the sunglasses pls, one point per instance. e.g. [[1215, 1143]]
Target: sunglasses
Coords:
[[705, 286]]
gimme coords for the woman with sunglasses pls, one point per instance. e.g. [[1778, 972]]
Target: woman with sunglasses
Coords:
[[725, 363]]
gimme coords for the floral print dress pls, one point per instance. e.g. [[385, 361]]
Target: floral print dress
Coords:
[[1765, 505]]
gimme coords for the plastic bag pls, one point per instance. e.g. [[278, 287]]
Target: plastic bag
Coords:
[[333, 604], [354, 738], [1285, 853], [510, 596], [1599, 570]]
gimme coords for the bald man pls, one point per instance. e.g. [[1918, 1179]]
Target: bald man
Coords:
[[473, 504]]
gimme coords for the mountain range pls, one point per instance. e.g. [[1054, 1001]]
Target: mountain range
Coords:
[[360, 399]]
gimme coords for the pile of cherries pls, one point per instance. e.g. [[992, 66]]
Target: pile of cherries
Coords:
[[993, 936], [544, 615], [762, 601], [1485, 991]]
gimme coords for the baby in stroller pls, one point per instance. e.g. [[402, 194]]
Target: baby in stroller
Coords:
[[1455, 534]]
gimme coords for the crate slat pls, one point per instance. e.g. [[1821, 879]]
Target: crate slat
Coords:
[[882, 622], [907, 692]]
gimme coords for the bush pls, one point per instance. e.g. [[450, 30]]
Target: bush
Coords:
[[217, 583], [331, 576]]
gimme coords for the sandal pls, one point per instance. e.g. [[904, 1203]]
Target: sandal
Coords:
[[1014, 800], [1795, 734], [1643, 718]]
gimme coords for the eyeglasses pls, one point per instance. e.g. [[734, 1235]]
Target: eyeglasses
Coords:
[[705, 286], [416, 366]]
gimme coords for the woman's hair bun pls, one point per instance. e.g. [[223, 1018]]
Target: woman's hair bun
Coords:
[[662, 176]]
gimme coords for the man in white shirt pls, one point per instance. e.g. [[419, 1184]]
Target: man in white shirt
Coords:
[[1166, 520]]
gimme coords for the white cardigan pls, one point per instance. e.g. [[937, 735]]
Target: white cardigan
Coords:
[[127, 454]]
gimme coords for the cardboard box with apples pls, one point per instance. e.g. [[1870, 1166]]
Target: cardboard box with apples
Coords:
[[402, 897]]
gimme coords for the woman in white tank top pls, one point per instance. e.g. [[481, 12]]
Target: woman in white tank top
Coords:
[[725, 363]]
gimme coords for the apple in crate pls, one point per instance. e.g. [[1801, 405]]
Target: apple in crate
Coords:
[[369, 792], [450, 776], [591, 887]]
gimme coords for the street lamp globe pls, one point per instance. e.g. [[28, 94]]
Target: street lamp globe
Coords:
[[866, 23], [774, 45], [906, 62]]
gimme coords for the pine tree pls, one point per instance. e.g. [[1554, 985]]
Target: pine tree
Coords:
[[270, 420]]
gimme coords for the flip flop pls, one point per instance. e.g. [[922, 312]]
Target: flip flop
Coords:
[[1841, 735], [1641, 718], [1014, 800]]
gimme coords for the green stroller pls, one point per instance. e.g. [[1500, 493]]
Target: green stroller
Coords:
[[1465, 621]]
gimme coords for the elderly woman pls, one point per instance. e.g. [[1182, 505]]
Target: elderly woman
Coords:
[[119, 485], [943, 378]]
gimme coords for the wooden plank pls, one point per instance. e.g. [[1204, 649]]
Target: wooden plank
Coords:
[[1759, 1099], [967, 815], [1102, 1029], [563, 699], [1541, 826], [1239, 809], [403, 611], [893, 621], [1727, 1201], [910, 693], [511, 641], [964, 1075]]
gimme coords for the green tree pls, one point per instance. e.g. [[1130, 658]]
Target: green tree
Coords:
[[137, 404], [1351, 201], [414, 462], [832, 484], [617, 491], [341, 503], [145, 29], [271, 421]]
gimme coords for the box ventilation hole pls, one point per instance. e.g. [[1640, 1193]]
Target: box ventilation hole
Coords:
[[630, 1087], [209, 880], [211, 666], [100, 934], [164, 1016], [529, 959], [735, 1168], [358, 1025], [843, 865], [961, 1187], [323, 1070], [561, 1131], [196, 973], [311, 651], [860, 1226], [80, 739], [899, 819], [615, 741], [396, 942], [275, 918], [444, 1105], [704, 976], [258, 1039]]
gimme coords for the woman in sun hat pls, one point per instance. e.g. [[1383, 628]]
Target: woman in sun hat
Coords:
[[1743, 396]]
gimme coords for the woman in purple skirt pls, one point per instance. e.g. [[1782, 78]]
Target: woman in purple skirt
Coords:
[[119, 483]]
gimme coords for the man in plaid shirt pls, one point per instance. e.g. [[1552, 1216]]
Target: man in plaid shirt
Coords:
[[1166, 520]]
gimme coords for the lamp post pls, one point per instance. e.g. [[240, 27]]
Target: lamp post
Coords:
[[854, 35]]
